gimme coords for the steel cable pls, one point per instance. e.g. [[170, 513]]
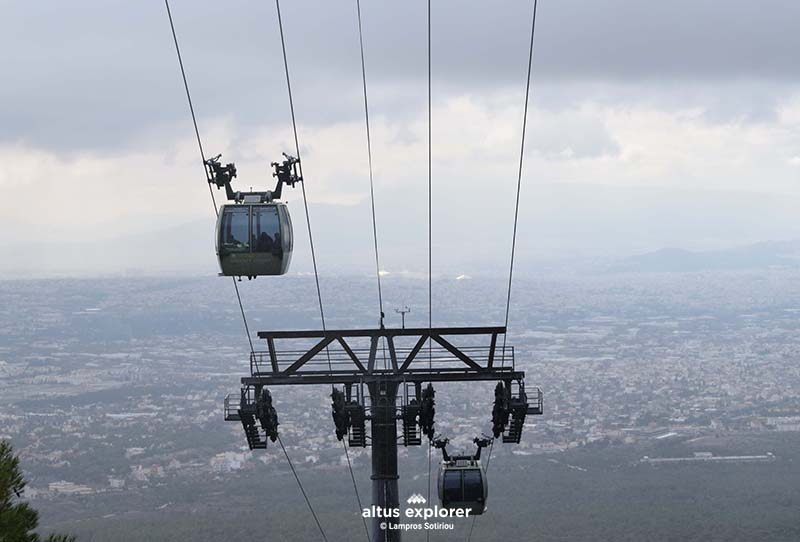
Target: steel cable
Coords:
[[369, 159], [519, 181], [355, 487], [300, 171], [310, 235], [430, 246], [305, 496], [203, 158], [516, 216], [216, 212]]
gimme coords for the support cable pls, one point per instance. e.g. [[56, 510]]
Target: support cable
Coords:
[[519, 181], [355, 487], [430, 249], [203, 158], [300, 171], [369, 159], [430, 214], [516, 216], [216, 212], [305, 496], [430, 449], [374, 223], [488, 460], [313, 254], [371, 179]]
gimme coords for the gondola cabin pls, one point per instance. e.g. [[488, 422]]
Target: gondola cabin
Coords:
[[462, 484], [254, 239]]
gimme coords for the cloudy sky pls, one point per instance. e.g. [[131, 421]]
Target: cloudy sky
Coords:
[[652, 124]]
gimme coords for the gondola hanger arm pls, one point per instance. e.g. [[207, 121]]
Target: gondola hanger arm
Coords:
[[221, 175]]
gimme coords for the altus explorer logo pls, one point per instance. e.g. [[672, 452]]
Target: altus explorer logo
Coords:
[[418, 512]]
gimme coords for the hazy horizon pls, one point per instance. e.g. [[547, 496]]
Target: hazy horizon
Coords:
[[599, 228]]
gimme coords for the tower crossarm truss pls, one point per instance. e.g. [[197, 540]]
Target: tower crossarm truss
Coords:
[[441, 354]]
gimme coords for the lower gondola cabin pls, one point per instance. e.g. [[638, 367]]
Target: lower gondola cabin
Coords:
[[463, 484]]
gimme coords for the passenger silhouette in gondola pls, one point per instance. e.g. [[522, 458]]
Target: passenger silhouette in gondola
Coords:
[[277, 247], [264, 243]]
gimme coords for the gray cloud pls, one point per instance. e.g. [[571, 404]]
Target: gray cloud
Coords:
[[103, 75]]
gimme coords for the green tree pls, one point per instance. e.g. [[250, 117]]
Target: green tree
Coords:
[[17, 518]]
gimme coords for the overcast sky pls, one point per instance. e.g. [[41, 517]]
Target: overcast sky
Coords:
[[652, 123]]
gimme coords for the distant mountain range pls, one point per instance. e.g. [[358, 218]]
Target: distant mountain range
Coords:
[[769, 254], [188, 249], [563, 227]]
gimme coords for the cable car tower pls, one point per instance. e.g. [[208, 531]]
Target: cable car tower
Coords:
[[398, 389], [379, 377]]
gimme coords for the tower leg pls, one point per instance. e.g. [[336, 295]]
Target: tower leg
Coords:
[[385, 495]]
